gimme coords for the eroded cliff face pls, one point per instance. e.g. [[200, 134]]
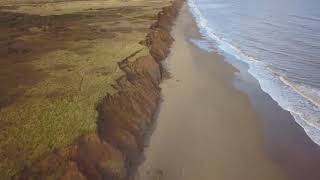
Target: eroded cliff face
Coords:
[[115, 150]]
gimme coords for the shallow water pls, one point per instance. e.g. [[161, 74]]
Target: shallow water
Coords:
[[278, 40]]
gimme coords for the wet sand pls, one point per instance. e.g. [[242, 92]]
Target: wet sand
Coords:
[[285, 140], [206, 128]]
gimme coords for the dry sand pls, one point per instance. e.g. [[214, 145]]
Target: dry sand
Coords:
[[206, 128]]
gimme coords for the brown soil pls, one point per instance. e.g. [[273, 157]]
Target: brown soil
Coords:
[[115, 150]]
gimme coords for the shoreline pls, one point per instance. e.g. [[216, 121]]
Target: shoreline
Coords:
[[116, 149], [289, 142], [285, 140], [206, 129], [300, 100], [173, 153]]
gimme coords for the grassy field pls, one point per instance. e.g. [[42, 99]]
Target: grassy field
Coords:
[[58, 60]]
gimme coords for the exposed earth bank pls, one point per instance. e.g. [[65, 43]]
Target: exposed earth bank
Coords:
[[115, 150]]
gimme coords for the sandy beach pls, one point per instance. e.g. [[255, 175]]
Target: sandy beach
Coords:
[[208, 129]]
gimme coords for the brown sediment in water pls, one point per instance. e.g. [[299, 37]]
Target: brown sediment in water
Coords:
[[115, 149]]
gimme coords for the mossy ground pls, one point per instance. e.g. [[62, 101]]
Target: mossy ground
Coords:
[[72, 76]]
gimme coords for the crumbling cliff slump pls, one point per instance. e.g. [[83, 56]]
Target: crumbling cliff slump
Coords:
[[116, 149]]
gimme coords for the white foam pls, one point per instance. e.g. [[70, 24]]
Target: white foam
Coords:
[[310, 93], [203, 44], [301, 101]]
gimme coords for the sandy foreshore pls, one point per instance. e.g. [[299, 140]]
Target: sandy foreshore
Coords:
[[208, 129]]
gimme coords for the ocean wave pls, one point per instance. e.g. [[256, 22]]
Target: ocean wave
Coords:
[[317, 19], [310, 93], [203, 44], [217, 6], [300, 100]]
